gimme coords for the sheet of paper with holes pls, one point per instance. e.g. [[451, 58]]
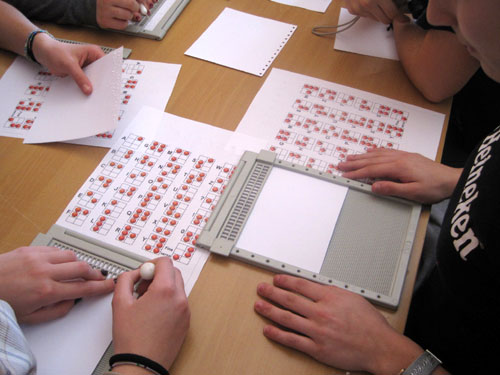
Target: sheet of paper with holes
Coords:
[[316, 123], [25, 92], [155, 189]]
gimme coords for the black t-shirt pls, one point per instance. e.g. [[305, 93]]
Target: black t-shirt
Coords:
[[456, 313]]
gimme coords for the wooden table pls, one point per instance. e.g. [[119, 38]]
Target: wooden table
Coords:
[[37, 181]]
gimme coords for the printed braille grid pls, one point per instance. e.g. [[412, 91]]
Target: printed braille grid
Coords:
[[133, 69], [285, 136], [204, 163], [327, 94], [145, 162], [310, 90], [18, 122], [125, 192], [324, 148], [180, 156], [77, 216], [304, 142], [89, 199], [112, 169], [44, 75], [123, 155], [293, 120], [200, 218], [114, 208], [156, 149], [183, 253], [38, 90], [302, 105], [102, 225], [136, 177], [100, 184], [195, 178], [139, 217], [133, 141], [128, 234]]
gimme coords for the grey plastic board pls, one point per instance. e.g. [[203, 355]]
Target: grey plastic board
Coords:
[[369, 248], [170, 13], [126, 51], [99, 256]]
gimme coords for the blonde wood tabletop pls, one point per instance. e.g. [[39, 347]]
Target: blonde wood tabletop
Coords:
[[37, 181]]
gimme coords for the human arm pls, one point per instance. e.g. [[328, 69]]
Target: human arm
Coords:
[[60, 58], [155, 324], [42, 283], [435, 61], [402, 174], [334, 326]]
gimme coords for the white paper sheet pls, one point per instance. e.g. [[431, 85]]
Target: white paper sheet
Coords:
[[315, 5], [76, 114], [20, 109], [316, 123], [293, 219], [143, 83], [191, 163], [242, 41], [366, 37], [74, 344]]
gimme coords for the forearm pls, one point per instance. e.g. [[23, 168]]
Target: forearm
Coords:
[[14, 29], [434, 60], [75, 12]]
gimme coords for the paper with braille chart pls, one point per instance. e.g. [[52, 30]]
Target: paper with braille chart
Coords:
[[316, 123], [26, 90], [151, 195], [242, 41]]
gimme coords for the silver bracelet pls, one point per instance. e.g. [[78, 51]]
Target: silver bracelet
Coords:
[[28, 46], [423, 365]]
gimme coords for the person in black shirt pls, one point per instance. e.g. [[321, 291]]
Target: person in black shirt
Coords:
[[455, 312]]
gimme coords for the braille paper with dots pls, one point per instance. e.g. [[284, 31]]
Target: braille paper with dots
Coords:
[[155, 189], [316, 123], [25, 92]]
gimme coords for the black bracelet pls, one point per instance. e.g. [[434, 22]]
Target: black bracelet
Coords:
[[137, 360], [28, 46]]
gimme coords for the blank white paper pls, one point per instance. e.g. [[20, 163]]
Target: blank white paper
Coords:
[[77, 115], [293, 219], [88, 325], [366, 37], [315, 5], [242, 41]]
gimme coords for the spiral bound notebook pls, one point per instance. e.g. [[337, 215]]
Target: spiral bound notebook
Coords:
[[242, 41]]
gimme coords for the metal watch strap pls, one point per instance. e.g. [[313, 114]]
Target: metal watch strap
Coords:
[[423, 365]]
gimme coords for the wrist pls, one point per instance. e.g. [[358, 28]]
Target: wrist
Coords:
[[398, 354], [41, 43]]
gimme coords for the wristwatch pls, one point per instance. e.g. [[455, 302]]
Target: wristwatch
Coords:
[[423, 365]]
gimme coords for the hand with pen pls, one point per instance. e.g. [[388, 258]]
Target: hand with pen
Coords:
[[153, 326], [116, 14]]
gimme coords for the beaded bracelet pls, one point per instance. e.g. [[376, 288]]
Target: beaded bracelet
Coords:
[[28, 46], [137, 360]]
